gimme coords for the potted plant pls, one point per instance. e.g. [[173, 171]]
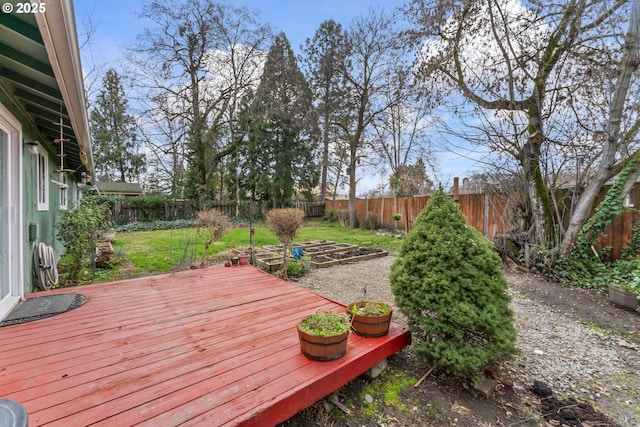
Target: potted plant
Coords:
[[243, 259], [295, 268], [396, 218], [370, 318], [323, 336], [623, 281]]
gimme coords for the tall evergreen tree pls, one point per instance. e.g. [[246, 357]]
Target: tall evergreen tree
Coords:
[[113, 129], [322, 57], [282, 131]]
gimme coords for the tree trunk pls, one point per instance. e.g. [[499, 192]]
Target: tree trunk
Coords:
[[325, 160], [537, 194], [542, 217], [353, 220], [583, 208]]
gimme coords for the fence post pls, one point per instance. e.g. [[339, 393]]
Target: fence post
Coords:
[[456, 190], [485, 226]]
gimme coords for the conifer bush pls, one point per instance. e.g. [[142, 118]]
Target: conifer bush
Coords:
[[448, 283]]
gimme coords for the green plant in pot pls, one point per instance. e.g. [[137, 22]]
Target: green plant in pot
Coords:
[[295, 268], [370, 318], [623, 282], [396, 218], [323, 336]]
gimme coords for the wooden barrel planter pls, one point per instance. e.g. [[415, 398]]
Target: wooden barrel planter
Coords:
[[623, 299], [368, 323], [324, 346]]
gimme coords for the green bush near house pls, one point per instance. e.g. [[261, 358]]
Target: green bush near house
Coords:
[[449, 284], [77, 230]]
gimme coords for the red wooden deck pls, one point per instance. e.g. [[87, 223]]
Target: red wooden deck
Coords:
[[215, 346]]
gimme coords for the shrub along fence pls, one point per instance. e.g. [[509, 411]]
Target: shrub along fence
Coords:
[[147, 209]]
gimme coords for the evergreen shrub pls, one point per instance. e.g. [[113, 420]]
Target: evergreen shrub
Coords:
[[449, 284]]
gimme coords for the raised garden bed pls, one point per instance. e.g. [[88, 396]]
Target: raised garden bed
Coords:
[[344, 257], [322, 253], [257, 252], [305, 246], [270, 264], [329, 249]]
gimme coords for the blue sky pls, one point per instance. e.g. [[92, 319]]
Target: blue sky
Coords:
[[116, 24], [116, 27]]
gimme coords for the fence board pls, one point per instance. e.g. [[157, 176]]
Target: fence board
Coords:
[[484, 212]]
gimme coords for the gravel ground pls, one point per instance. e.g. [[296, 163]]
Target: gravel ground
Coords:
[[574, 354]]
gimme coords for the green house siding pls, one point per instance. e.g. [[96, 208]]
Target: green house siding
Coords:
[[45, 220], [43, 99]]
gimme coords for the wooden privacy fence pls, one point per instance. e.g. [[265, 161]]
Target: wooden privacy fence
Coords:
[[488, 213], [491, 214], [126, 211]]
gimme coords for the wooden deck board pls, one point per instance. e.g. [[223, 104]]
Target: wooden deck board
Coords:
[[214, 346]]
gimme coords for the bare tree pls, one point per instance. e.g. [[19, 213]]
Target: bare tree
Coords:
[[373, 52], [179, 55], [400, 137], [515, 63], [165, 136]]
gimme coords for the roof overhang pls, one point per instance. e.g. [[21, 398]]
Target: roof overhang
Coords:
[[40, 69]]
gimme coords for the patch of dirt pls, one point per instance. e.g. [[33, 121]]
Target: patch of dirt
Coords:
[[568, 412], [441, 400]]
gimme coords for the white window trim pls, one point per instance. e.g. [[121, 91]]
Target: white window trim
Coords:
[[12, 268], [42, 180], [628, 201]]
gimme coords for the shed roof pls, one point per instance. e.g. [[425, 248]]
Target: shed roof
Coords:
[[115, 187]]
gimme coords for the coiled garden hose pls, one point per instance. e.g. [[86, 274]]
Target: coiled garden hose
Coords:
[[45, 266]]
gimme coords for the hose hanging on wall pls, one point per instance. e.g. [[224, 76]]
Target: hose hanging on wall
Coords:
[[45, 266]]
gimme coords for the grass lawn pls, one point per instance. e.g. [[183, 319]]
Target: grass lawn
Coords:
[[145, 253]]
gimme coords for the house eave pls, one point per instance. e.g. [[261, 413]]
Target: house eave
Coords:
[[58, 29]]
